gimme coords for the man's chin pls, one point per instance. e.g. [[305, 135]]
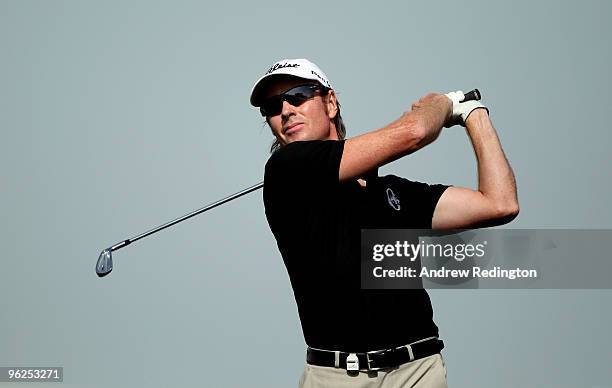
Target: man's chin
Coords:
[[297, 136]]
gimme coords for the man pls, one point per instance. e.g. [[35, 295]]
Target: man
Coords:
[[320, 190]]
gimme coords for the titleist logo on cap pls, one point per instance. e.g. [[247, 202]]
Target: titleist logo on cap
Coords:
[[282, 66], [321, 78]]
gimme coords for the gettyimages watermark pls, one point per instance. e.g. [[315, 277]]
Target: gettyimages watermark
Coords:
[[486, 258]]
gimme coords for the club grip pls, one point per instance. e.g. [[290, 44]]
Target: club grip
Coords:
[[472, 95]]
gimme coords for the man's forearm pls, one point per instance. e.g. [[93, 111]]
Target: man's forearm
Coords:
[[495, 177], [412, 131]]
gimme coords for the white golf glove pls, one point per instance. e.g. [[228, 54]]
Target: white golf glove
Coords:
[[461, 110]]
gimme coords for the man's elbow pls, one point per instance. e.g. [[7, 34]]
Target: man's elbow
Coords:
[[505, 211], [499, 214]]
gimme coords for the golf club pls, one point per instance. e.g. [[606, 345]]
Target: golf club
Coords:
[[105, 262], [104, 265]]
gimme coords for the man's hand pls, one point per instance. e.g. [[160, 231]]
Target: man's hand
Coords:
[[461, 110], [435, 110]]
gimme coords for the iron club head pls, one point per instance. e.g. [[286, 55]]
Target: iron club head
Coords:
[[105, 263]]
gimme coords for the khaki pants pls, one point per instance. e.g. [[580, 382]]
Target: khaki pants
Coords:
[[427, 372]]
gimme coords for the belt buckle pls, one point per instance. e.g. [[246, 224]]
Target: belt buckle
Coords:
[[378, 352]]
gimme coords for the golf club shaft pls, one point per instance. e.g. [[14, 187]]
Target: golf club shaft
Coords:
[[471, 95], [186, 216]]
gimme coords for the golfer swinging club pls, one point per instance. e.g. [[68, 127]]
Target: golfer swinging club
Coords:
[[321, 189]]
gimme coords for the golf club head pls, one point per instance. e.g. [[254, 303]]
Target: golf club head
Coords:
[[105, 263]]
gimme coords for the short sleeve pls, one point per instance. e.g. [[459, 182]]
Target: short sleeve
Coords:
[[409, 204]]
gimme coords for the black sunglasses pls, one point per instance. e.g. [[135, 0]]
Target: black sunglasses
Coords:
[[295, 96]]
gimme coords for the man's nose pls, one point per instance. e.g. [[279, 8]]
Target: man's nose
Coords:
[[287, 108]]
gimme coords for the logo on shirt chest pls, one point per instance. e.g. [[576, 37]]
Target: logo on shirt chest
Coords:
[[394, 202]]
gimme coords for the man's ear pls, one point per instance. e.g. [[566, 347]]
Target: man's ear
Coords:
[[331, 104]]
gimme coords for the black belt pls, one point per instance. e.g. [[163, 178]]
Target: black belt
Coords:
[[383, 359]]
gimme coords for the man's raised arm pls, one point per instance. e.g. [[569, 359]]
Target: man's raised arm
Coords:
[[412, 131], [495, 202]]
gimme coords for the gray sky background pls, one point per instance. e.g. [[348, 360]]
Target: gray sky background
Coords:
[[119, 116]]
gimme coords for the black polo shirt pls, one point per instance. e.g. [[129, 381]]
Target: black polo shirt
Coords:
[[317, 220]]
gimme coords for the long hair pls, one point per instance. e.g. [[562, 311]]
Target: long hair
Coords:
[[340, 128]]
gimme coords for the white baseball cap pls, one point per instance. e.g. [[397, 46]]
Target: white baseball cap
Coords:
[[301, 68]]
